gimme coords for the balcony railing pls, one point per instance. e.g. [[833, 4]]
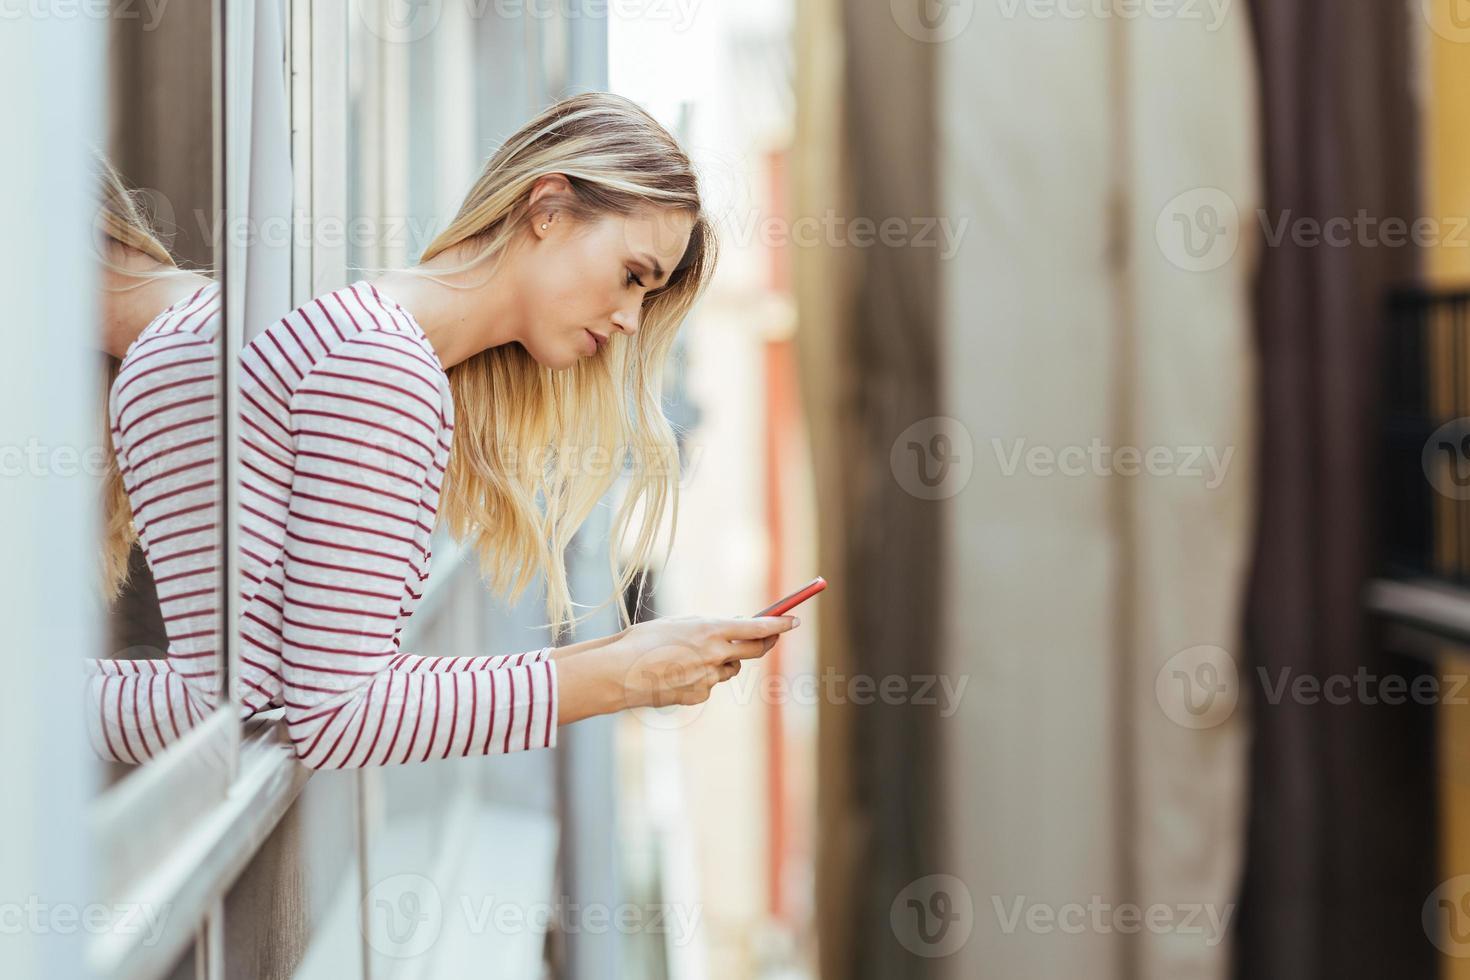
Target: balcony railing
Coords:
[[1425, 471]]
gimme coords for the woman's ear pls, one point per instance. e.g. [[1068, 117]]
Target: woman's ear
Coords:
[[548, 190], [543, 221]]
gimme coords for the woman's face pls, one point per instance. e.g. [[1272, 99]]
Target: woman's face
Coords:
[[586, 281]]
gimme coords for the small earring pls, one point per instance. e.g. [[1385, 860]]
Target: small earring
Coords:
[[547, 223]]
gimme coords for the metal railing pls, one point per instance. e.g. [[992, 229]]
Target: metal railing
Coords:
[[1425, 472]]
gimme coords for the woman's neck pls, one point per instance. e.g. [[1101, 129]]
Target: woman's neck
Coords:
[[128, 303], [465, 313]]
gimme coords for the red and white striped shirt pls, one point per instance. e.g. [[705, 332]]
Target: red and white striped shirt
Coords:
[[163, 408], [346, 422]]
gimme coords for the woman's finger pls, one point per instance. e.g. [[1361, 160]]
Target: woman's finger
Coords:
[[755, 628], [743, 650]]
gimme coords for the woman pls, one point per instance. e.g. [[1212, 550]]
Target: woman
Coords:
[[475, 388], [160, 330]]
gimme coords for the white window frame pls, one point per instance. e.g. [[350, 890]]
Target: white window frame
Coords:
[[177, 832]]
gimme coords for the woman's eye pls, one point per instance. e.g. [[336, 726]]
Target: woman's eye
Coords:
[[633, 278]]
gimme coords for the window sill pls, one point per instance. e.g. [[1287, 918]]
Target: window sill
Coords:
[[1425, 619], [204, 858]]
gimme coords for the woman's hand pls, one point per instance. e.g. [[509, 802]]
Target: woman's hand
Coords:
[[679, 660], [660, 662]]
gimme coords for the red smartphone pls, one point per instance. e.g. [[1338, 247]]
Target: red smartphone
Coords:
[[782, 606]]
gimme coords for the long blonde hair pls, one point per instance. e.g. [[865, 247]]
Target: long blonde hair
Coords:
[[121, 222], [519, 482]]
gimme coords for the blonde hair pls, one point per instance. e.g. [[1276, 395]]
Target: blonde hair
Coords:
[[121, 222], [518, 485]]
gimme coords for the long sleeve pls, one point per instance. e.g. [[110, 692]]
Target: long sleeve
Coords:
[[165, 438], [371, 442], [136, 708]]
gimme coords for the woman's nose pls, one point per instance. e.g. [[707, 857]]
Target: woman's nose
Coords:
[[626, 321]]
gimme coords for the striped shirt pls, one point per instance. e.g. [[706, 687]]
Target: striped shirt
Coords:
[[163, 410], [346, 423]]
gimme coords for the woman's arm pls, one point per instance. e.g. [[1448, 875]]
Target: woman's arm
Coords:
[[137, 708], [163, 413], [370, 447], [584, 646]]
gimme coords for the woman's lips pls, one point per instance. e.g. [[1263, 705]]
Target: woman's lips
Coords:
[[593, 340]]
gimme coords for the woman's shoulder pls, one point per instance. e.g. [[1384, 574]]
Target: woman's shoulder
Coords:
[[356, 344], [182, 340], [192, 319], [352, 321]]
